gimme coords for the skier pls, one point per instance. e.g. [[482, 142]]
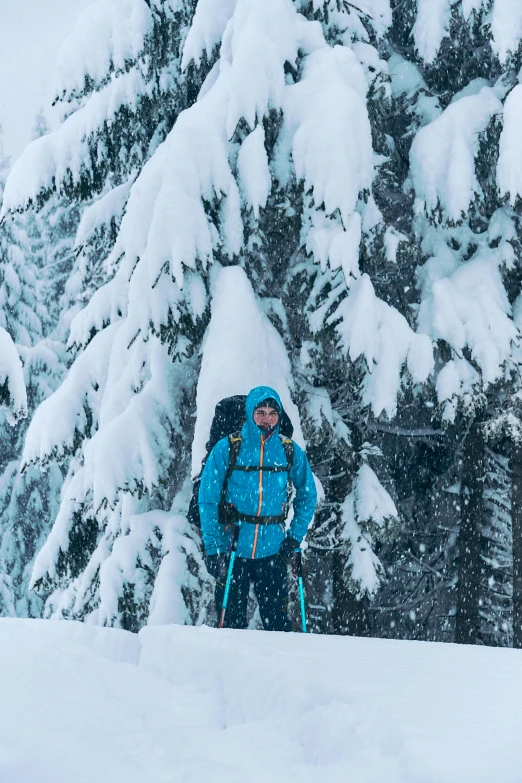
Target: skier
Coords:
[[244, 492]]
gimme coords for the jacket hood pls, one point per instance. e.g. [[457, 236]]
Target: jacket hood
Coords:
[[257, 395]]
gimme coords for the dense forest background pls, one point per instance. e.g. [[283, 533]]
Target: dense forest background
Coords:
[[319, 195]]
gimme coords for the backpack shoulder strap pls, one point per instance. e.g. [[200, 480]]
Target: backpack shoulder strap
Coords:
[[234, 442], [288, 445]]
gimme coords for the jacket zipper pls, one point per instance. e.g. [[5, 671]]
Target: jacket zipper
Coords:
[[256, 531], [254, 547]]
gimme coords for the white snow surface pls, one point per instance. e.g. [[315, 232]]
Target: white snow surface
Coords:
[[187, 704]]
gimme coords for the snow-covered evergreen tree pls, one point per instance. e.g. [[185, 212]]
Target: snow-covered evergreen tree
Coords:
[[454, 69], [117, 105], [25, 371], [279, 141], [357, 165]]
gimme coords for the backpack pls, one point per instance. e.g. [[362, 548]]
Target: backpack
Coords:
[[229, 417]]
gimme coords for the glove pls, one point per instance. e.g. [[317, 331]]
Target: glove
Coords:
[[288, 547], [217, 566]]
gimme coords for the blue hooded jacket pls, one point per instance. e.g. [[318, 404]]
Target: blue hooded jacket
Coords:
[[255, 493]]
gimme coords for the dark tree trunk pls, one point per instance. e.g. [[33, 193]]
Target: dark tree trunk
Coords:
[[318, 591], [471, 512], [516, 520], [349, 615]]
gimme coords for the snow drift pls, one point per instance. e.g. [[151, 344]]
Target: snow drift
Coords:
[[193, 704]]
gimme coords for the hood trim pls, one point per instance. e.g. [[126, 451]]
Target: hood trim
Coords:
[[255, 396]]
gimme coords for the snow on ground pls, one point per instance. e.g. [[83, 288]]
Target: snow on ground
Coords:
[[193, 705], [31, 33]]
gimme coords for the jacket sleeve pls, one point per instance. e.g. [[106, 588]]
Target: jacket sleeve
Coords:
[[305, 499], [215, 539]]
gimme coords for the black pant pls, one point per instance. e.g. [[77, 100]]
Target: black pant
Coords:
[[269, 577]]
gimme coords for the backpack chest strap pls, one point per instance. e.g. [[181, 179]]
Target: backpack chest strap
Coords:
[[266, 468], [233, 516]]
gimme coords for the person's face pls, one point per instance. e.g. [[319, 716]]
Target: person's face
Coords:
[[266, 417]]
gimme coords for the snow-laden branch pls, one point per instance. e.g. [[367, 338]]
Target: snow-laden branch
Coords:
[[443, 154], [468, 308], [108, 35], [12, 386], [62, 418], [433, 22], [207, 28], [509, 167], [367, 514], [49, 160], [140, 409], [370, 328]]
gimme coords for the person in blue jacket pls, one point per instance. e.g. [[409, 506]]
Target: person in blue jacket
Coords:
[[258, 498]]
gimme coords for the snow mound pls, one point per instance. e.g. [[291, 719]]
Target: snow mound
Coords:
[[241, 349], [193, 704]]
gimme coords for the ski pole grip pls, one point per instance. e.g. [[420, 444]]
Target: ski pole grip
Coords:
[[298, 564], [235, 537]]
